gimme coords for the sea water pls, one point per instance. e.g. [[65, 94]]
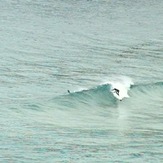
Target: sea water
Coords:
[[87, 47]]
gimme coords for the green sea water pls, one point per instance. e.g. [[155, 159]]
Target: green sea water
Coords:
[[87, 47]]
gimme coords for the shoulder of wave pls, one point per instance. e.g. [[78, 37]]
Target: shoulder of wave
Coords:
[[154, 84]]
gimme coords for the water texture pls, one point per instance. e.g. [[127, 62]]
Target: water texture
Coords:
[[88, 47]]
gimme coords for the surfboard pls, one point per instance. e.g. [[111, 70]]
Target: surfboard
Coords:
[[122, 92], [119, 97]]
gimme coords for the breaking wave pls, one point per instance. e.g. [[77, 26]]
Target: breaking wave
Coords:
[[102, 95]]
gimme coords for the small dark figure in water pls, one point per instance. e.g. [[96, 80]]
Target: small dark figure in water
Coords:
[[116, 91], [68, 91]]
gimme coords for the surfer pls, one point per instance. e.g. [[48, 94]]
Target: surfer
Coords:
[[116, 91], [68, 91]]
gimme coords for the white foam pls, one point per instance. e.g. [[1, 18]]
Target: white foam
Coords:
[[123, 84]]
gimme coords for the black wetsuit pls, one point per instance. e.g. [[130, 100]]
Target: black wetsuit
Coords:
[[116, 91]]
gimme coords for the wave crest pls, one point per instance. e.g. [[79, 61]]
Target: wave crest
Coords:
[[102, 96]]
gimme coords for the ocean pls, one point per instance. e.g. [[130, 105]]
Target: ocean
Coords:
[[60, 62]]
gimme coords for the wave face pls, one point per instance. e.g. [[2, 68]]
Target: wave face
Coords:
[[102, 95], [153, 90], [98, 107]]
